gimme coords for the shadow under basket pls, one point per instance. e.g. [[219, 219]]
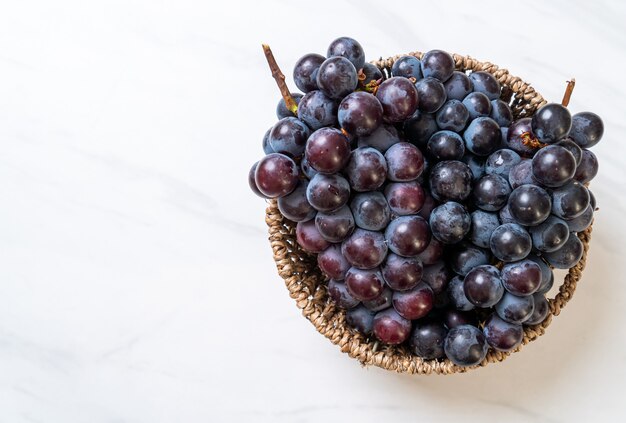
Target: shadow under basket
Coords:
[[307, 285]]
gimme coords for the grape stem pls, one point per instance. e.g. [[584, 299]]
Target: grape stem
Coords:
[[568, 92], [280, 80]]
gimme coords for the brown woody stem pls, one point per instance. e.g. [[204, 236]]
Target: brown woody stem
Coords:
[[568, 92], [280, 80]]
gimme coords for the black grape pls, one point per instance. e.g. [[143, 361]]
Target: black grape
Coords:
[[450, 222], [317, 110]]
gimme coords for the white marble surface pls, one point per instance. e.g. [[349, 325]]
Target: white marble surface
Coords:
[[136, 281]]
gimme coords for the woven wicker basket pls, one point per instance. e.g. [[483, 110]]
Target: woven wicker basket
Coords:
[[307, 284]]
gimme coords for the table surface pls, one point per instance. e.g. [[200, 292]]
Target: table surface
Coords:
[[136, 280]]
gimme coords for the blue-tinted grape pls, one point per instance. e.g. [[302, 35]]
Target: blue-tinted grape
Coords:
[[370, 210], [364, 249], [529, 205], [402, 273], [483, 225], [252, 182], [547, 277], [305, 71], [267, 148], [427, 340], [407, 235], [504, 214], [437, 276], [317, 110], [338, 292], [276, 175], [364, 285], [587, 129], [514, 309], [309, 238], [573, 148], [482, 136], [483, 287], [361, 319], [337, 77], [450, 180], [372, 73], [398, 97], [477, 104], [307, 169], [288, 136], [431, 94], [551, 123], [328, 192], [453, 115], [333, 263], [588, 167], [360, 113], [553, 166], [381, 139], [454, 318], [550, 235], [592, 200], [281, 107], [582, 222], [523, 277], [516, 137], [404, 198], [542, 308], [568, 255], [349, 48], [458, 86], [446, 145], [408, 67], [501, 162], [432, 253], [570, 201], [501, 113], [295, 206], [437, 64], [327, 150], [381, 302], [456, 293], [404, 162], [501, 335], [414, 303], [366, 170], [450, 222], [491, 192], [465, 256], [390, 327], [420, 127], [521, 174], [335, 226], [510, 242], [476, 165], [466, 345], [485, 83]]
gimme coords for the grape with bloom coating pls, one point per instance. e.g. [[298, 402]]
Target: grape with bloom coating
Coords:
[[458, 86], [381, 302], [582, 222], [431, 94], [305, 71], [570, 201], [414, 303], [337, 77], [437, 276], [370, 210], [486, 83], [542, 308], [361, 319], [501, 113], [281, 107], [456, 293], [398, 97], [420, 127], [404, 162], [432, 253], [364, 249], [404, 198], [360, 113], [482, 136], [587, 129], [477, 104], [510, 242], [338, 292], [465, 345], [349, 48], [381, 139], [522, 277], [327, 150], [450, 222], [276, 175], [500, 162], [483, 286], [551, 123], [295, 206], [364, 285], [317, 110], [335, 226], [502, 335], [427, 340], [588, 167], [288, 136], [366, 169], [408, 67], [464, 256], [328, 193], [446, 145], [437, 64], [514, 309], [450, 180], [483, 225], [333, 263], [453, 115], [402, 273], [568, 255], [407, 235], [529, 205]]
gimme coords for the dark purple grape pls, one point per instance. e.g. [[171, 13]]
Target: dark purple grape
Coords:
[[295, 206], [402, 273], [573, 148], [428, 207], [450, 180], [477, 104], [588, 167], [446, 145], [281, 107], [437, 276], [431, 94], [338, 292], [335, 226], [408, 67], [309, 238], [390, 327], [364, 285], [456, 293], [482, 136], [501, 335], [327, 150], [592, 200], [522, 277], [483, 225], [361, 319], [529, 205], [305, 71], [510, 242], [288, 136], [372, 73], [547, 276], [519, 131], [453, 318], [370, 210], [381, 139], [276, 175], [398, 97], [415, 303], [464, 256], [348, 48], [514, 309], [420, 127], [364, 249], [333, 263], [553, 166], [542, 309], [407, 235], [504, 214], [366, 170], [491, 192], [360, 113], [317, 110], [570, 201], [501, 162], [485, 83], [307, 170], [582, 222], [476, 165], [381, 302], [551, 123], [427, 340], [252, 182], [328, 192], [267, 148], [522, 174], [337, 77], [501, 113], [453, 115], [483, 287], [404, 162], [568, 255], [466, 345], [458, 86], [404, 198], [437, 64], [450, 222], [432, 254], [587, 129]]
